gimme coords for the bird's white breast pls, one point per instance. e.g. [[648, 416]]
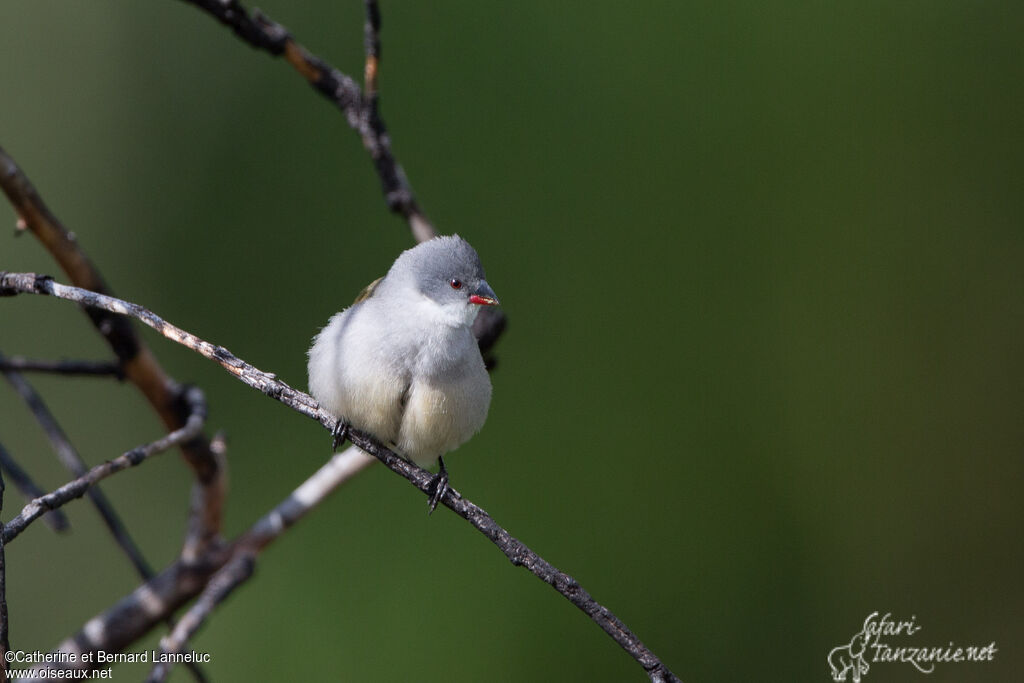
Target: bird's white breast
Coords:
[[444, 411]]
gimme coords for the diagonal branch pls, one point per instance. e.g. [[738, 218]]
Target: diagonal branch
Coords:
[[515, 550], [137, 363], [135, 614], [56, 519], [73, 462], [49, 504], [260, 32], [86, 482], [339, 469], [218, 588]]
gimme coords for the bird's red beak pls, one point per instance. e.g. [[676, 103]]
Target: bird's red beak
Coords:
[[483, 300], [483, 295]]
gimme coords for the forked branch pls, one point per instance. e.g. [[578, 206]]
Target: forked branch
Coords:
[[360, 111], [136, 362], [79, 486]]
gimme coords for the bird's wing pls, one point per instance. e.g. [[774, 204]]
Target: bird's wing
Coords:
[[368, 291]]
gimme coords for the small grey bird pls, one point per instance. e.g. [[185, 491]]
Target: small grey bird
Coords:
[[402, 363]]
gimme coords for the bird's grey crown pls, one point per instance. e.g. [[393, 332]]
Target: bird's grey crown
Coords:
[[431, 266]]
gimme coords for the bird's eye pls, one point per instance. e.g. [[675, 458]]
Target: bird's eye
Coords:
[[455, 283]]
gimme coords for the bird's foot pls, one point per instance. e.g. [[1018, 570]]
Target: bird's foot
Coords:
[[340, 433], [438, 486]]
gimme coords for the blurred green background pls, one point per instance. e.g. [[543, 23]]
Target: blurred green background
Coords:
[[763, 374]]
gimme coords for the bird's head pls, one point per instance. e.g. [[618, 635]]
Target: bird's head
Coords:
[[447, 271]]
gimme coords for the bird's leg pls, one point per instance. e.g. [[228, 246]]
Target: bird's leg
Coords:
[[438, 486], [340, 432]]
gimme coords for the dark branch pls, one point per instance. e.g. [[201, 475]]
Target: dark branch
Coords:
[[86, 482], [69, 457], [262, 33], [38, 218], [516, 551], [62, 367], [139, 365], [55, 519]]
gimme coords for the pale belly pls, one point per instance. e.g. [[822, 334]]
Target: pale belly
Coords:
[[441, 416]]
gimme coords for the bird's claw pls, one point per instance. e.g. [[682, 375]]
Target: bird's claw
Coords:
[[438, 487], [340, 433]]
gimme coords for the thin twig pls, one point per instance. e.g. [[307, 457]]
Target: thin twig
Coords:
[[73, 462], [62, 367], [262, 33], [339, 469], [87, 481], [517, 552], [220, 585], [55, 519], [139, 365], [336, 471]]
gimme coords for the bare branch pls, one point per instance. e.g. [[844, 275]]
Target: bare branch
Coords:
[[13, 283], [332, 474], [516, 551], [262, 33], [137, 363], [226, 580], [55, 519], [137, 613], [69, 457], [336, 471], [49, 504], [86, 483], [62, 367]]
